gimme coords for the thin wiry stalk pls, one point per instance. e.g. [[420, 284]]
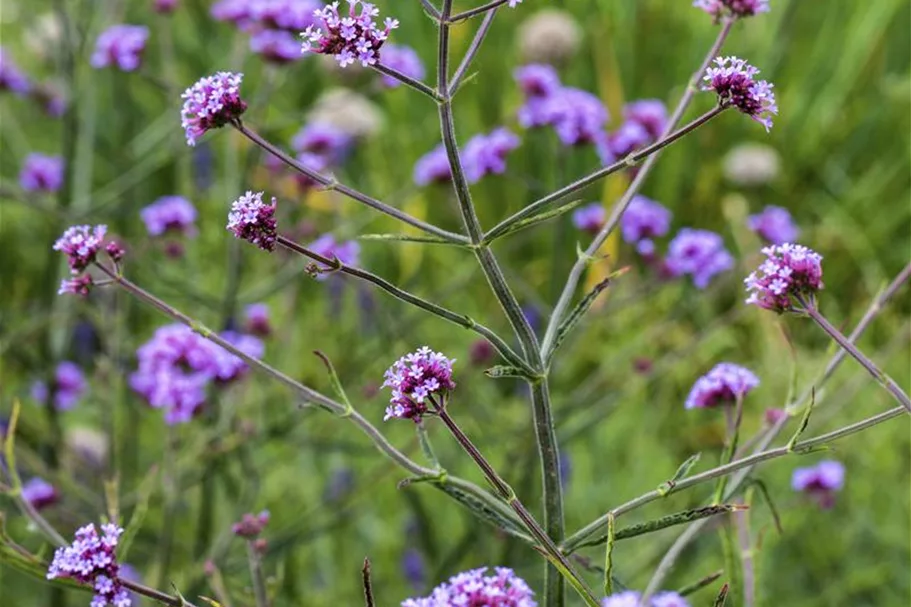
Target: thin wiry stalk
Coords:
[[472, 51], [407, 80], [474, 12]]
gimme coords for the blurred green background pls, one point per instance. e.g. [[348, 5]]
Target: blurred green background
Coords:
[[841, 73]]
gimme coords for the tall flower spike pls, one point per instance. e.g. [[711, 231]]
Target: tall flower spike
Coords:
[[734, 8], [253, 220], [733, 81], [211, 103], [790, 271], [725, 383], [415, 380], [90, 560], [351, 38]]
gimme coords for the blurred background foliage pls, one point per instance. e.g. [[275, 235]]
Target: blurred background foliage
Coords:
[[842, 78]]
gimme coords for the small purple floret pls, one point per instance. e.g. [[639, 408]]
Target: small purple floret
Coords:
[[349, 38], [415, 380], [732, 79], [790, 271], [724, 384], [211, 103], [699, 253], [590, 218], [91, 560], [775, 225], [474, 589], [486, 154], [820, 481], [41, 173], [120, 45], [170, 214], [643, 220], [253, 220], [39, 493], [81, 244]]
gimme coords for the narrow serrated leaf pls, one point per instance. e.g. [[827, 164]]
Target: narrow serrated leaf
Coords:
[[609, 556], [722, 597], [682, 471], [700, 584], [540, 218], [804, 421], [499, 371], [570, 322], [482, 511], [408, 238], [335, 381]]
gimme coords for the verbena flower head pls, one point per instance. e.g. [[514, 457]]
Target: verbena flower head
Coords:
[[631, 598], [820, 481], [122, 46], [537, 80], [651, 114], [774, 224], [81, 245], [226, 366], [39, 493], [790, 271], [590, 218], [256, 318], [287, 15], [486, 154], [170, 214], [91, 560], [253, 220], [474, 589], [643, 220], [251, 525], [276, 46], [68, 387], [324, 140], [11, 77], [403, 59], [235, 11], [415, 380], [346, 252], [733, 81], [577, 116], [41, 173], [433, 167], [211, 103], [350, 38], [698, 253], [79, 286], [629, 137], [724, 384], [734, 8]]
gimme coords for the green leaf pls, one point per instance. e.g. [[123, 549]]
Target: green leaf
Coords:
[[681, 473], [804, 421], [409, 238], [483, 511], [499, 371], [609, 556], [722, 597], [540, 218]]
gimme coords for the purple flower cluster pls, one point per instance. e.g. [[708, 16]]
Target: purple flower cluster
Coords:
[[734, 8], [644, 123], [251, 525], [253, 220], [67, 389], [474, 589], [631, 598], [165, 7], [774, 224], [211, 103], [577, 116], [323, 140], [346, 252], [486, 154], [415, 379], [643, 220], [820, 481], [90, 560], [402, 59], [170, 214], [725, 383], [733, 81], [275, 46], [41, 173], [120, 45], [272, 24], [256, 317], [81, 245], [433, 167], [699, 253], [39, 493], [354, 37], [590, 218], [176, 366], [11, 77], [789, 271]]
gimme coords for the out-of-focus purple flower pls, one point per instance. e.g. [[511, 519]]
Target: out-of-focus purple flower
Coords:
[[324, 140], [256, 318], [773, 416], [577, 116], [433, 167], [347, 252], [724, 384], [643, 220], [41, 173], [631, 598], [11, 77], [276, 46], [91, 560], [288, 15], [481, 352], [235, 11], [211, 103], [486, 154], [251, 525], [537, 80], [81, 244], [669, 599], [413, 568], [355, 37], [120, 45], [170, 214], [590, 218], [403, 59], [415, 379], [229, 367], [732, 79], [340, 484], [472, 588], [650, 113], [165, 6], [79, 286], [789, 271], [820, 481], [699, 253], [628, 138], [734, 8], [253, 220], [774, 224], [39, 493]]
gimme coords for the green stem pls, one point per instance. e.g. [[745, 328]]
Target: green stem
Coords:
[[472, 12], [257, 576], [407, 80]]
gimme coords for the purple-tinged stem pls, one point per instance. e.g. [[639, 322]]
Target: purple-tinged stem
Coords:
[[407, 80], [473, 12], [257, 575], [472, 51], [884, 380], [331, 184]]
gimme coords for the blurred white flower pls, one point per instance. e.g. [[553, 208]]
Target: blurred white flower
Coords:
[[86, 448], [348, 111], [549, 36], [43, 36], [752, 164]]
